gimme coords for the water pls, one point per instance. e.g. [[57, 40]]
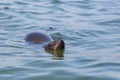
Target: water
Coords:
[[90, 29]]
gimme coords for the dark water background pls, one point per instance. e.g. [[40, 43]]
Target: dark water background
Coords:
[[90, 29]]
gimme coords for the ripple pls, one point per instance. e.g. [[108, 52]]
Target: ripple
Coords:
[[114, 22], [5, 3], [5, 16], [106, 65], [21, 3]]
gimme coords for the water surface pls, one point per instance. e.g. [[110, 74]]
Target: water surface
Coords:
[[90, 29]]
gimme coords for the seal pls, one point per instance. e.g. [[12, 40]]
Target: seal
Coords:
[[52, 46]]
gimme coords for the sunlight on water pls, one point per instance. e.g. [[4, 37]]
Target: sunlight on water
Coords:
[[90, 29]]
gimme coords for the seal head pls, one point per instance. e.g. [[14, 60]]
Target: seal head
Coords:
[[56, 48]]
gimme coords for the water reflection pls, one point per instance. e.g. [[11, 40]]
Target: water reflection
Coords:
[[56, 53]]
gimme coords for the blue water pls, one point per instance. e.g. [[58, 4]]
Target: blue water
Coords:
[[90, 29]]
